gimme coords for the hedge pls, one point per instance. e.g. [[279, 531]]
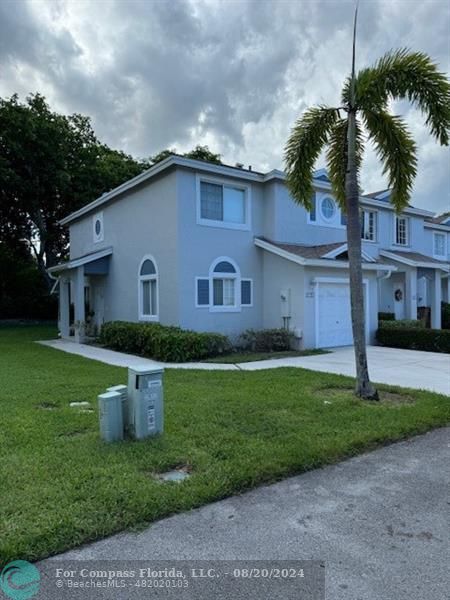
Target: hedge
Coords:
[[402, 324], [415, 338], [386, 316], [266, 340], [168, 344]]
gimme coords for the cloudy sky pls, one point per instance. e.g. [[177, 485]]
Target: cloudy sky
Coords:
[[233, 74]]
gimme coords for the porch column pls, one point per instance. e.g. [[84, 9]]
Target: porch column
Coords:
[[436, 304], [447, 283], [411, 293], [64, 307], [78, 298]]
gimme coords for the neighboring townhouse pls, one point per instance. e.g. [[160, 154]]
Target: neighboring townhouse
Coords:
[[218, 248]]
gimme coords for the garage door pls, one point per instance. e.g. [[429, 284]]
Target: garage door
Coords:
[[334, 319]]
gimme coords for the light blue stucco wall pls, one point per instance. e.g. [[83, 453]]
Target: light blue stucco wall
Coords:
[[145, 222], [199, 245]]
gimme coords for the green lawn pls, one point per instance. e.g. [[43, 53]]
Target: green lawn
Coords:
[[61, 486], [242, 357]]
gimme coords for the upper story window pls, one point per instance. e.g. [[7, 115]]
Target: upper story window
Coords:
[[369, 225], [224, 205], [97, 227], [328, 208], [402, 231], [439, 245], [148, 290], [325, 212], [224, 290]]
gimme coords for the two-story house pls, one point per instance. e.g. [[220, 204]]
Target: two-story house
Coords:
[[218, 248]]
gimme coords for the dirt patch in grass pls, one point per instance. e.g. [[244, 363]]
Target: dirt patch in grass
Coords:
[[73, 434], [386, 397], [47, 406], [395, 398]]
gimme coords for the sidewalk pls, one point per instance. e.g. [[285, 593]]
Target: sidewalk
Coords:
[[393, 366]]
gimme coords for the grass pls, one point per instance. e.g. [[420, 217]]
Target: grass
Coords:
[[243, 357], [61, 486]]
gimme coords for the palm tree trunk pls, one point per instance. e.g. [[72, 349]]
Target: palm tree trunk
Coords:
[[364, 388]]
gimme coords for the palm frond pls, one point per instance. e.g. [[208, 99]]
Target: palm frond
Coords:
[[337, 157], [397, 152], [412, 75], [308, 137]]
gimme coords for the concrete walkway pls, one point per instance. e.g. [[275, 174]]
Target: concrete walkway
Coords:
[[379, 521], [407, 368]]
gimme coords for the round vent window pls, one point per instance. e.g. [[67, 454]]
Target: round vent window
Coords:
[[328, 208], [98, 227]]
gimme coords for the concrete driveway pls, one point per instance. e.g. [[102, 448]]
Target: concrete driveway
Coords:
[[408, 368], [379, 522]]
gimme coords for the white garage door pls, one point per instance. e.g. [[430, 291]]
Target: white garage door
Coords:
[[334, 319]]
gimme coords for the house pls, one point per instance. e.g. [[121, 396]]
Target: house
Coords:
[[219, 248]]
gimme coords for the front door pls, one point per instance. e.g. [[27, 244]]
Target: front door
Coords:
[[399, 300]]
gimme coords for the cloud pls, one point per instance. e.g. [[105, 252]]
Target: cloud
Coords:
[[232, 74]]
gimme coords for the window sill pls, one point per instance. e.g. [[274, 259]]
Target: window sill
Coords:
[[224, 309], [224, 224], [148, 318]]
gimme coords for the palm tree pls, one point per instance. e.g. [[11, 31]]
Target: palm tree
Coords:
[[366, 95]]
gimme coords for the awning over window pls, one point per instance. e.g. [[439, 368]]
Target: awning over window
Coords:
[[95, 263]]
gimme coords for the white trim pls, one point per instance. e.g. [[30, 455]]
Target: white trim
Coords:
[[251, 292], [335, 209], [319, 262], [55, 285], [224, 183], [414, 263], [82, 260], [236, 276], [141, 279], [98, 237], [375, 212], [344, 248], [440, 256], [407, 229], [440, 226], [316, 281], [409, 210]]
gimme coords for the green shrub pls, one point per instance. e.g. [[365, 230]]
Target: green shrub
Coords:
[[168, 344], [445, 314], [266, 340], [415, 338], [386, 316], [402, 324]]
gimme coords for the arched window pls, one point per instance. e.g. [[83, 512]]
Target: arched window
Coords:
[[224, 285], [148, 290]]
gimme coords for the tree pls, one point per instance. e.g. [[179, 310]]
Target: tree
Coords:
[[400, 74], [50, 165], [199, 153]]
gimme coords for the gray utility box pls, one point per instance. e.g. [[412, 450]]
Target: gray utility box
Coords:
[[123, 391], [110, 414], [145, 401]]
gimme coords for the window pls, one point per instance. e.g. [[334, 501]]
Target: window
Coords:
[[401, 231], [148, 290], [224, 277], [328, 208], [343, 218], [369, 225], [227, 204], [312, 212], [224, 290], [246, 292], [439, 244], [97, 227]]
